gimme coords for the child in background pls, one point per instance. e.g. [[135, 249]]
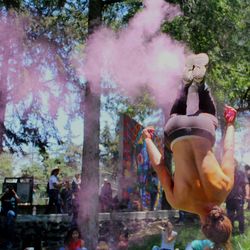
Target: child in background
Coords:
[[168, 237], [73, 241], [200, 245], [123, 242], [102, 245]]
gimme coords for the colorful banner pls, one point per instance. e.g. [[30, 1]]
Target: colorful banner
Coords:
[[138, 176]]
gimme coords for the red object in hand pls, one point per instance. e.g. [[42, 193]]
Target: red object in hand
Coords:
[[148, 133], [229, 114]]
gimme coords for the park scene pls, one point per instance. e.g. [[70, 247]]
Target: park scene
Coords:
[[124, 125]]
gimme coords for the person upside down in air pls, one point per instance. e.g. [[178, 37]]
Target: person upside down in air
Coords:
[[200, 184]]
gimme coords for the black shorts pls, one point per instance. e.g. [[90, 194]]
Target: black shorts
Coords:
[[182, 126]]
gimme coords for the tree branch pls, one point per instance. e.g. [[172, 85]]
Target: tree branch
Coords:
[[243, 109], [108, 2]]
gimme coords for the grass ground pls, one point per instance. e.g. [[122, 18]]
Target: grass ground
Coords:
[[187, 233]]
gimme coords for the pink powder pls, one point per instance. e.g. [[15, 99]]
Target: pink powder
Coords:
[[138, 54]]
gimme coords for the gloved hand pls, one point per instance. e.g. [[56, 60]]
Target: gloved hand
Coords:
[[229, 114], [148, 132]]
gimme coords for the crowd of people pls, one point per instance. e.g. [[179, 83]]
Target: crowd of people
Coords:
[[129, 201], [74, 241], [63, 196], [63, 200]]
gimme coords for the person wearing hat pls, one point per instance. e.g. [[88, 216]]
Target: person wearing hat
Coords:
[[54, 186], [200, 183]]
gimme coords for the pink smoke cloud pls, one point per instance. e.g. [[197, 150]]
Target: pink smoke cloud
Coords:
[[29, 67], [138, 54]]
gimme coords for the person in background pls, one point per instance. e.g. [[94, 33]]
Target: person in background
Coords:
[[54, 191], [200, 245], [123, 241], [181, 218], [247, 171], [66, 196], [73, 241], [76, 188], [106, 196], [9, 200], [236, 199], [125, 200], [153, 190], [102, 245], [76, 183], [168, 237], [135, 201]]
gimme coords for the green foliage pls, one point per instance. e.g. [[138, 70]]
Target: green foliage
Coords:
[[73, 156], [147, 243], [118, 14], [32, 126], [11, 4], [6, 165], [140, 107], [219, 28], [109, 151], [35, 170]]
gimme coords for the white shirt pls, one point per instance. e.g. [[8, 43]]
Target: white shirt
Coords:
[[164, 243], [53, 179]]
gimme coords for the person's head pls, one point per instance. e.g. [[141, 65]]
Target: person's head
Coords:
[[153, 174], [102, 245], [72, 235], [217, 227], [168, 226], [75, 234], [78, 175], [55, 171], [247, 167], [247, 170], [123, 236], [9, 189], [125, 194], [67, 184]]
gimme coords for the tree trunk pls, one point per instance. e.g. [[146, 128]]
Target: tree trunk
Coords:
[[2, 116], [3, 95], [90, 160]]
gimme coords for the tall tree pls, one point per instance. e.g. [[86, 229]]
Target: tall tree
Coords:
[[90, 159], [90, 163]]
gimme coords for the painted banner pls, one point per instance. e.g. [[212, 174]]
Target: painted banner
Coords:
[[138, 177]]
